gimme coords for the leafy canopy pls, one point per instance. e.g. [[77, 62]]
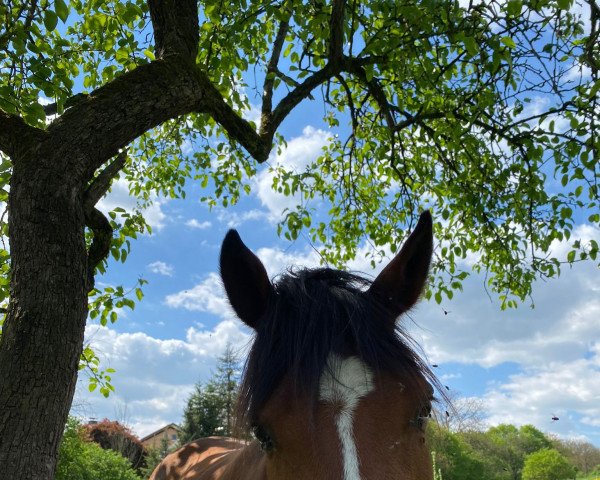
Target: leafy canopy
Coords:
[[486, 114], [547, 464]]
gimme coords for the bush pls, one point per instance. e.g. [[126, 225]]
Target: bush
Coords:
[[79, 459], [114, 436], [547, 464]]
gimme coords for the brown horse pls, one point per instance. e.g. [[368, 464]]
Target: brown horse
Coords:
[[332, 388]]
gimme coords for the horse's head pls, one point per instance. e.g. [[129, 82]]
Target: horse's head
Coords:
[[332, 387]]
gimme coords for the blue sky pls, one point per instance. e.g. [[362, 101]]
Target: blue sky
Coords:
[[524, 365]]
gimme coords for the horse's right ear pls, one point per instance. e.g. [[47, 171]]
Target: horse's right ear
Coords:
[[245, 279]]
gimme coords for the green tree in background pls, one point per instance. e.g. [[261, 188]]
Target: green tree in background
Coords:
[[510, 445], [210, 408], [455, 458], [581, 454], [486, 114], [80, 459], [547, 464]]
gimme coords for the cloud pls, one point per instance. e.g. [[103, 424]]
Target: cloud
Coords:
[[154, 377], [207, 296], [193, 223], [161, 268], [233, 219], [568, 390], [298, 154]]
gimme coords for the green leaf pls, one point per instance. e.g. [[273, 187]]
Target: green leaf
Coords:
[[50, 20], [62, 10], [509, 42], [149, 54], [513, 7]]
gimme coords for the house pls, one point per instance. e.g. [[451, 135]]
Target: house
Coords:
[[155, 439]]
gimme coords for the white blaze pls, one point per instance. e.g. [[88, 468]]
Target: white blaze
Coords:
[[345, 381]]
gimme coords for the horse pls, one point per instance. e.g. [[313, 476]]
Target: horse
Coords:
[[333, 388]]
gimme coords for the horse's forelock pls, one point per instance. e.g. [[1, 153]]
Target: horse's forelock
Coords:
[[312, 313]]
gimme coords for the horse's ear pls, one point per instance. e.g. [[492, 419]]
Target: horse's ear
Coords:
[[244, 278], [401, 282]]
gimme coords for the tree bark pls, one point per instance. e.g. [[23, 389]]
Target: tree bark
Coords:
[[43, 333]]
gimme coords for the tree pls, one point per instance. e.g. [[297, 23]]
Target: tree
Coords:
[[79, 459], [454, 458], [111, 435], [433, 104], [510, 445], [583, 455], [210, 408], [547, 464], [460, 414]]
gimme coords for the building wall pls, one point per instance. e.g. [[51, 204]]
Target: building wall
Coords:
[[154, 441]]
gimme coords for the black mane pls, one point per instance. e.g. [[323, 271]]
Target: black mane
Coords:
[[311, 313]]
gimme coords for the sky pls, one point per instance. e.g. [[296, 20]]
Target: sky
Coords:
[[524, 366]]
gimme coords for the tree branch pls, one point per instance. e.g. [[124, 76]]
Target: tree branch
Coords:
[[111, 117], [101, 183], [52, 108], [176, 29], [95, 219], [336, 31], [287, 104], [100, 247], [15, 135], [267, 100]]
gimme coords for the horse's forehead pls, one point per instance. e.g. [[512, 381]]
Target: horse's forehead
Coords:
[[345, 380]]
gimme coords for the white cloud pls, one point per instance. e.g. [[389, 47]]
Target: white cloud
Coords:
[[193, 223], [207, 296], [298, 154], [161, 268], [154, 377], [568, 390], [233, 219]]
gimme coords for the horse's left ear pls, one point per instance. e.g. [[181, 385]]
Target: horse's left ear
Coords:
[[245, 279], [401, 282]]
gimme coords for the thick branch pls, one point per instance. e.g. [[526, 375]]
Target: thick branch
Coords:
[[100, 247], [95, 220], [111, 117], [336, 31], [267, 100], [15, 135], [101, 183], [52, 108], [176, 29]]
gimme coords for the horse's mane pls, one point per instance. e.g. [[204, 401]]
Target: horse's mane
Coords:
[[312, 313]]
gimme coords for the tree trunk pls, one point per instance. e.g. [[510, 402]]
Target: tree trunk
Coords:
[[43, 333]]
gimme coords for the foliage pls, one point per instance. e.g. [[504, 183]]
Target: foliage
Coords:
[[79, 459], [210, 408], [455, 459], [511, 445], [499, 453], [112, 435], [476, 112], [547, 464], [581, 454]]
